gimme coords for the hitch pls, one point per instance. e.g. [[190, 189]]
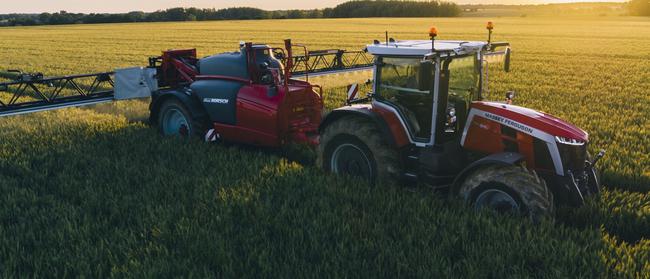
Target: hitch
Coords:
[[592, 164], [600, 155]]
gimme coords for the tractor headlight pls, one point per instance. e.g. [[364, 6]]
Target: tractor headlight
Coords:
[[573, 153], [569, 141]]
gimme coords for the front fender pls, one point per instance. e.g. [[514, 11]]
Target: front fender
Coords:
[[505, 159], [187, 99]]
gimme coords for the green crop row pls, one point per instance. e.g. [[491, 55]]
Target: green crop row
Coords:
[[97, 195]]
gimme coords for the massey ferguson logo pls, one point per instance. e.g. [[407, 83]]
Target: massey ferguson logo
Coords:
[[509, 122], [215, 101]]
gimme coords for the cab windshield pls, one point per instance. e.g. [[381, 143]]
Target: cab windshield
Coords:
[[463, 77]]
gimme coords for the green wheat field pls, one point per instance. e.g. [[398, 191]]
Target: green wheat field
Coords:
[[95, 192]]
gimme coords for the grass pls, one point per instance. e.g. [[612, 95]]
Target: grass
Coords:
[[94, 192]]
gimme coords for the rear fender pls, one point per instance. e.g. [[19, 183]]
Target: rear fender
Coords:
[[504, 159], [362, 111], [179, 94]]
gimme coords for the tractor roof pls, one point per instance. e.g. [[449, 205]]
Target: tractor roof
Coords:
[[423, 47]]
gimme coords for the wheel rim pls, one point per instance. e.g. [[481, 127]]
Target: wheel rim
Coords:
[[497, 200], [350, 160], [174, 123]]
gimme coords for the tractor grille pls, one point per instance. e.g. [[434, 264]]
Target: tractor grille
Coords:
[[573, 156]]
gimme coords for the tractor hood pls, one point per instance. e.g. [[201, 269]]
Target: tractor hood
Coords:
[[529, 120]]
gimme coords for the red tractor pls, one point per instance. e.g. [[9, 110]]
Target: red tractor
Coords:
[[426, 122]]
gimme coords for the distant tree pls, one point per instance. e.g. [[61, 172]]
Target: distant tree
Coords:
[[22, 21], [368, 8], [136, 16], [44, 18], [328, 12], [314, 14], [278, 14], [176, 14], [242, 13], [295, 14], [64, 17], [192, 14], [640, 7]]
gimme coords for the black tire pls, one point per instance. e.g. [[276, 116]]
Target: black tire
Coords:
[[489, 187], [196, 126], [362, 142]]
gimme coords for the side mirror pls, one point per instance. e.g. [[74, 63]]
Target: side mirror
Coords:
[[425, 76], [506, 61]]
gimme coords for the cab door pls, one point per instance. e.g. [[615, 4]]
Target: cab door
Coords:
[[458, 86], [398, 86]]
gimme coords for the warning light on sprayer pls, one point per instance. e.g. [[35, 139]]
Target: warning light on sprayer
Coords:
[[489, 25]]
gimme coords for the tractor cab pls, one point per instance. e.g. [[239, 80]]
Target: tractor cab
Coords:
[[430, 84]]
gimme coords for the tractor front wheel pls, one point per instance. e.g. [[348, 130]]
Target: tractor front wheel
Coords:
[[508, 189], [354, 146]]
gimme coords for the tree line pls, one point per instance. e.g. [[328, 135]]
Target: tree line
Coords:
[[640, 7], [365, 8]]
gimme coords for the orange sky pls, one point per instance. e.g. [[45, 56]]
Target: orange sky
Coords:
[[111, 6]]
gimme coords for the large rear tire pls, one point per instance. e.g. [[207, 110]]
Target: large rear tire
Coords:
[[174, 119], [354, 146], [508, 189]]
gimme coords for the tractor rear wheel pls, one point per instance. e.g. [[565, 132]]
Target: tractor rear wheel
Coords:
[[354, 146], [174, 119], [508, 189]]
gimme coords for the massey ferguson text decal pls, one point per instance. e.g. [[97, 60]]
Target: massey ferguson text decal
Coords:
[[509, 122]]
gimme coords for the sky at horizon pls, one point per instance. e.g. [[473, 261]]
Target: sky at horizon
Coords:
[[120, 6]]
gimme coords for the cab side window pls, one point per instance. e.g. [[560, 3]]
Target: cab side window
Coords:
[[398, 87]]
